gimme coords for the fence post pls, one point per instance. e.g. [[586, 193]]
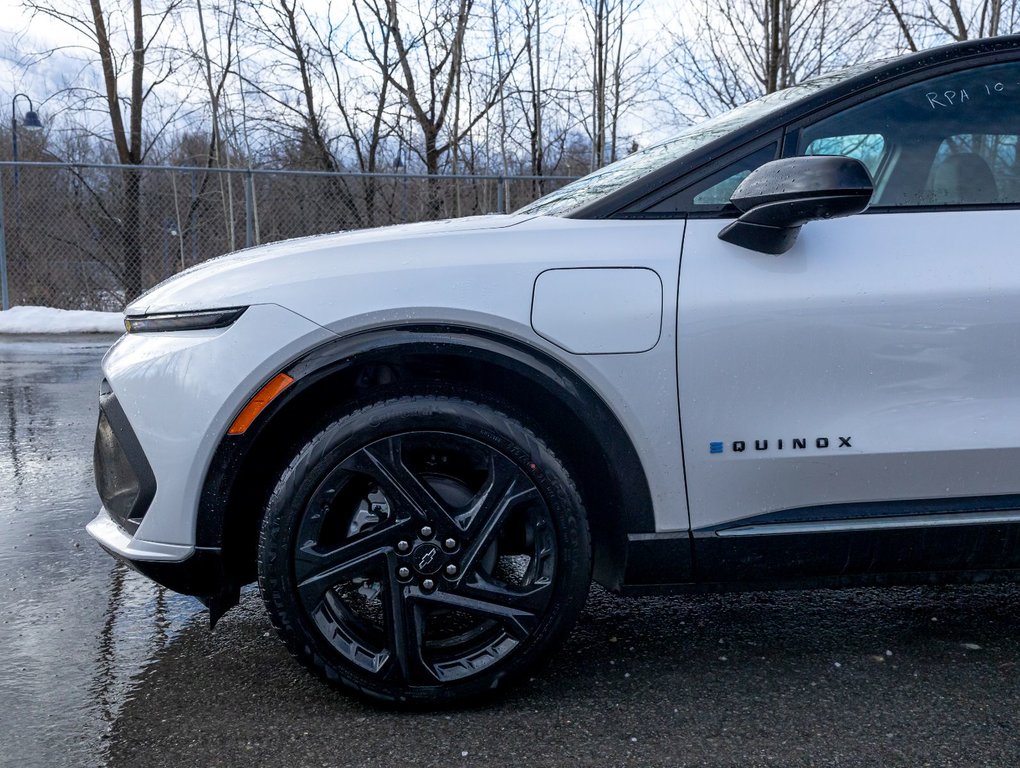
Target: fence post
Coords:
[[193, 219], [5, 298], [249, 212], [500, 196]]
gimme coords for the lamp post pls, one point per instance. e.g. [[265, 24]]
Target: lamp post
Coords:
[[32, 123], [5, 299]]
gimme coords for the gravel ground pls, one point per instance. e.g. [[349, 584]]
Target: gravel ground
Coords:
[[103, 668]]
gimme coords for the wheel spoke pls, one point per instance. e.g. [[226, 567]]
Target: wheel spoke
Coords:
[[534, 597], [503, 478], [405, 635], [519, 622], [316, 570], [384, 462], [505, 489]]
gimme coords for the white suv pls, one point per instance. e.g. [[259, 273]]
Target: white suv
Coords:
[[425, 440]]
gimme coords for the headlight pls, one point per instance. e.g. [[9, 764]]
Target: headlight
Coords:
[[183, 321]]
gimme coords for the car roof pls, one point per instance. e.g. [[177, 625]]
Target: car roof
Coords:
[[988, 50]]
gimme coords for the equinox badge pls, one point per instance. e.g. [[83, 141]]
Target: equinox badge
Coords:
[[797, 444]]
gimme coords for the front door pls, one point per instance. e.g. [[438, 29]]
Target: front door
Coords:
[[853, 405]]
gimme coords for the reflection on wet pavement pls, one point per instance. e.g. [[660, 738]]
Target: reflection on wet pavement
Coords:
[[76, 627]]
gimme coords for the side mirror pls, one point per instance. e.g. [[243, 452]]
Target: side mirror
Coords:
[[778, 198]]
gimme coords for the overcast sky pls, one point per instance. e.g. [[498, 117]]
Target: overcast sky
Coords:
[[19, 36]]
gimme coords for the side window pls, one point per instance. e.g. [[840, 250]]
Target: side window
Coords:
[[721, 192], [997, 152], [869, 148], [949, 140], [712, 194]]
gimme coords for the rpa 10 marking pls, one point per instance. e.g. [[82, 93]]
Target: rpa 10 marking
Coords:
[[798, 443]]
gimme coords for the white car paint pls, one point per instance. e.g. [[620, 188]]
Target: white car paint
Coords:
[[478, 271], [900, 331]]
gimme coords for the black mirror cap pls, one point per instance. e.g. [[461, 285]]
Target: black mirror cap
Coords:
[[795, 178], [783, 195]]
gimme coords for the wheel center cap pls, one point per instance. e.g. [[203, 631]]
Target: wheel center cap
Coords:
[[427, 559]]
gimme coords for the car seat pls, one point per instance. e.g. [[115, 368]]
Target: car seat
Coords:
[[964, 178]]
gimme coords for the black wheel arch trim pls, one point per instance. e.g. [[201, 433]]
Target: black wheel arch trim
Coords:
[[516, 356]]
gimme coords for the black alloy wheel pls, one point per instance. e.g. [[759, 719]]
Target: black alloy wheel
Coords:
[[424, 550]]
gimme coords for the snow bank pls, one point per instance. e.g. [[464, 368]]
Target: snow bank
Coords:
[[49, 320]]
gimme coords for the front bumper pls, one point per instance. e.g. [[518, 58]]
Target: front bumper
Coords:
[[166, 403], [188, 570], [197, 571]]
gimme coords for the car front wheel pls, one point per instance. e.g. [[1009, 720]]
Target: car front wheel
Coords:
[[424, 549]]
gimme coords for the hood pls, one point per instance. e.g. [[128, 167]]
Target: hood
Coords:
[[251, 276]]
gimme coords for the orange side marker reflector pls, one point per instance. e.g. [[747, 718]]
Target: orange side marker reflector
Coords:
[[258, 403]]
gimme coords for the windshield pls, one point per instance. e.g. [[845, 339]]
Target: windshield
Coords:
[[613, 177]]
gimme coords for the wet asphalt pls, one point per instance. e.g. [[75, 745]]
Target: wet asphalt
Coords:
[[100, 667]]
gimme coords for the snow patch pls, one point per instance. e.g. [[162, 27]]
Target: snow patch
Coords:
[[49, 320]]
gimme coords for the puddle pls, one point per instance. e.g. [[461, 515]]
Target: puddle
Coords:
[[75, 627]]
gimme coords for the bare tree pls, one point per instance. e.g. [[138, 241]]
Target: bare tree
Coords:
[[215, 89], [291, 85], [736, 50], [933, 21], [535, 107], [430, 51], [128, 42], [439, 42], [362, 100], [612, 54], [546, 91]]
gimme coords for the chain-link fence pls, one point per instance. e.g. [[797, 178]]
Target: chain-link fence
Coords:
[[96, 236]]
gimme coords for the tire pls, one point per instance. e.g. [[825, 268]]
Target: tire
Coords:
[[424, 550]]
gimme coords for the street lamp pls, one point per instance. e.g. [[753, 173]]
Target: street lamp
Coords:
[[31, 122]]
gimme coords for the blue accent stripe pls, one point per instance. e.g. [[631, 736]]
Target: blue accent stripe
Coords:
[[715, 447]]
